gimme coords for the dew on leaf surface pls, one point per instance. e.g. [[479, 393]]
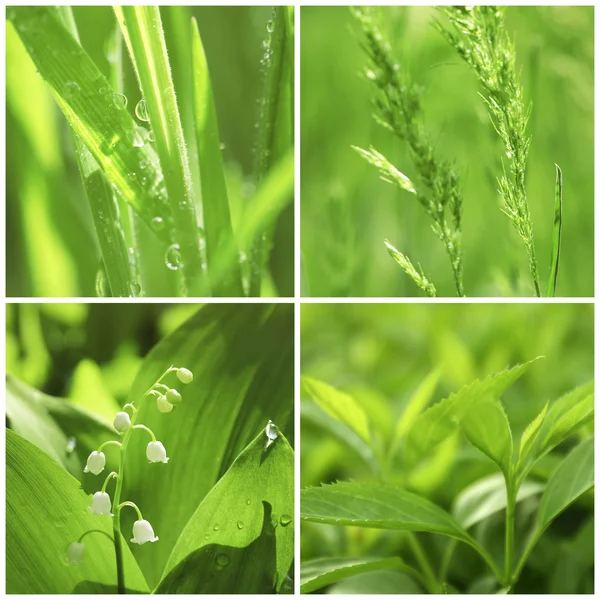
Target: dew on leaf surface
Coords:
[[173, 257], [141, 111], [120, 101]]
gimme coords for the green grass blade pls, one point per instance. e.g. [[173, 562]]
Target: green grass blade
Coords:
[[556, 234], [143, 32], [103, 205], [87, 101], [274, 124], [215, 204]]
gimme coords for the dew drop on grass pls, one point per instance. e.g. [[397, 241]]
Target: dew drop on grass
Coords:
[[270, 26], [222, 560], [217, 527], [173, 257], [141, 111], [71, 443], [120, 101], [272, 433], [240, 525], [151, 136], [221, 146], [158, 224], [72, 89], [135, 289], [206, 536], [101, 284], [248, 501], [285, 520]]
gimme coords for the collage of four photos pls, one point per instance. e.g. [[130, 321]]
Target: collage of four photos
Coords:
[[299, 300]]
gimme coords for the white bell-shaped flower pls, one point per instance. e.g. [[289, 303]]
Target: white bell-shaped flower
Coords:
[[75, 553], [185, 375], [122, 422], [95, 463], [163, 404], [101, 504], [156, 452], [173, 397], [143, 532]]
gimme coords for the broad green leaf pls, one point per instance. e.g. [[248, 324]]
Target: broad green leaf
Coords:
[[88, 102], [88, 390], [49, 423], [530, 434], [321, 572], [242, 358], [565, 416], [45, 512], [486, 426], [143, 33], [439, 421], [338, 405], [573, 477], [215, 203], [417, 403], [241, 537], [382, 582], [486, 497], [312, 412], [556, 233]]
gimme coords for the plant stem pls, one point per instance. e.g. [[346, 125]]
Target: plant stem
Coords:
[[424, 563], [509, 537]]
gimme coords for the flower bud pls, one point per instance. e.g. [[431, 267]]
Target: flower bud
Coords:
[[75, 553], [95, 463], [122, 422], [185, 375], [101, 504], [156, 452], [173, 397], [163, 404], [143, 532]]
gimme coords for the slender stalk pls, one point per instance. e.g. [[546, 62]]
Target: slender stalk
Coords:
[[509, 536], [424, 564]]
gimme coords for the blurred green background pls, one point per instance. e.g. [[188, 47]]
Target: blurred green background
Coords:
[[347, 211], [51, 243], [67, 350], [380, 353]]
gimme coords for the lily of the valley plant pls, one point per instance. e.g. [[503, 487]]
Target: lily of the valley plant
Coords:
[[125, 424]]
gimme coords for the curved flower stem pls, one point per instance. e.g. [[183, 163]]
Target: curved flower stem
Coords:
[[161, 385], [140, 426], [133, 505], [117, 498], [108, 444], [93, 531], [108, 478], [130, 405]]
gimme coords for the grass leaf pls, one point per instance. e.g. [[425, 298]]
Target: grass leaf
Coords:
[[87, 101], [244, 526], [556, 233], [143, 33], [321, 572], [46, 511], [215, 204], [339, 405]]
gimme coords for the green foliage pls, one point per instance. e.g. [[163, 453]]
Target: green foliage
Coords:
[[138, 233], [46, 510], [470, 483]]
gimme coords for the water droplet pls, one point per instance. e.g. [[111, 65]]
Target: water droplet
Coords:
[[217, 527], [158, 224], [141, 111], [135, 289], [72, 89], [222, 146], [135, 137], [151, 136], [371, 74], [271, 431], [270, 26], [248, 501], [240, 525], [71, 443], [222, 560], [120, 101], [285, 520], [173, 257], [206, 536]]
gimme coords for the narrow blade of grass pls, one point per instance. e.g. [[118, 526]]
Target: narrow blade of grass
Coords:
[[143, 33], [103, 205], [87, 101], [556, 234], [215, 204], [274, 124]]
